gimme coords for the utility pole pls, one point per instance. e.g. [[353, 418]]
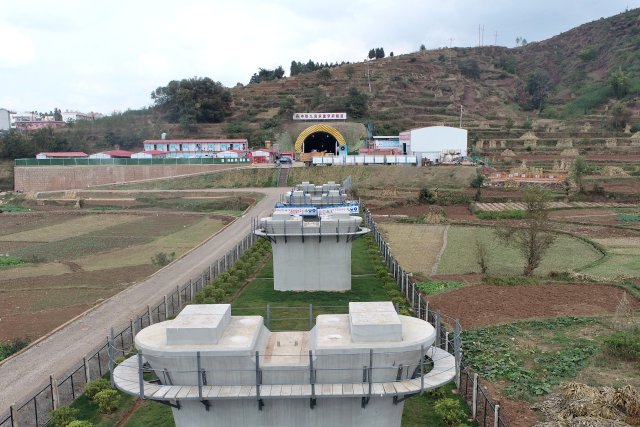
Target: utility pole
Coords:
[[495, 39], [460, 116], [450, 49]]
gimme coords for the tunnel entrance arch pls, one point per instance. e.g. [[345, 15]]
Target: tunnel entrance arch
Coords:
[[319, 138]]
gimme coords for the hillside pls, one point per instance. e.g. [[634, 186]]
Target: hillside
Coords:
[[427, 88]]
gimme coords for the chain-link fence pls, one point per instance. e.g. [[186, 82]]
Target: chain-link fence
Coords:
[[483, 408], [130, 162], [36, 410]]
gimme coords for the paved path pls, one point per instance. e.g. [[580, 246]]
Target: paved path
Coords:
[[62, 350]]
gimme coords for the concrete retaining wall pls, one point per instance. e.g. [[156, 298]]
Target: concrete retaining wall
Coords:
[[51, 178]]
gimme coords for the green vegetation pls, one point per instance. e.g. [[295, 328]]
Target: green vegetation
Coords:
[[433, 287], [151, 413], [194, 100], [259, 177], [162, 259], [10, 261], [628, 217], [508, 214], [7, 349], [420, 411], [625, 344], [566, 254], [237, 204], [531, 357]]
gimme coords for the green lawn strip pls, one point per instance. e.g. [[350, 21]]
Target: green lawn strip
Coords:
[[432, 287], [419, 410], [151, 413], [89, 410], [566, 254], [532, 356]]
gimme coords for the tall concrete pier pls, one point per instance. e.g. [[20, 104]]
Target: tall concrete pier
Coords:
[[311, 234], [311, 254], [351, 369]]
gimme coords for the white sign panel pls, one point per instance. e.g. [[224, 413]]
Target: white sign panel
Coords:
[[320, 116], [351, 210], [299, 211]]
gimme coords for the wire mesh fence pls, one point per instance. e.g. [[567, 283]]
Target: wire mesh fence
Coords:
[[483, 408], [36, 411], [129, 162]]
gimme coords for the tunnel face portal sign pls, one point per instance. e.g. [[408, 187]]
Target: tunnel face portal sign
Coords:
[[320, 116]]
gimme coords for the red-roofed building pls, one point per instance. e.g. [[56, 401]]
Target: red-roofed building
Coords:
[[63, 155], [112, 154], [195, 148], [150, 154]]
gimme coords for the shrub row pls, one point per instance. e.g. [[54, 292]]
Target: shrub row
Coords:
[[226, 284]]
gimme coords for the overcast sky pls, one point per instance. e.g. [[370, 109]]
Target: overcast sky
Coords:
[[108, 56]]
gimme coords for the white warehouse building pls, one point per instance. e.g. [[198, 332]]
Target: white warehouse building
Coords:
[[436, 143]]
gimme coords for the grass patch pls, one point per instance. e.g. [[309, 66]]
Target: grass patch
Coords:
[[566, 254], [625, 344], [433, 287], [242, 178], [10, 261], [233, 204], [509, 214], [7, 349], [151, 413], [533, 356], [628, 217]]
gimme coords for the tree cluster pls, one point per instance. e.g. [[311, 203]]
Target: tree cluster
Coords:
[[357, 103], [469, 68], [16, 145], [311, 66], [538, 87], [264, 75], [376, 53], [194, 100]]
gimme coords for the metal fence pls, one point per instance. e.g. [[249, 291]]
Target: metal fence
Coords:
[[36, 411], [483, 408], [130, 162]]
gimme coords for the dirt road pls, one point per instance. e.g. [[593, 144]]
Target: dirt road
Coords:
[[27, 372]]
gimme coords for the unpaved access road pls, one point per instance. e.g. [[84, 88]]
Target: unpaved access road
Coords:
[[27, 372]]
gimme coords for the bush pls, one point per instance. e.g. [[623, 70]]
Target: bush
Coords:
[[450, 411], [478, 181], [624, 344], [63, 416], [426, 196], [161, 259], [107, 401], [96, 386]]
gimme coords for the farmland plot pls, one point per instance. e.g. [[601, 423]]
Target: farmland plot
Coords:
[[78, 259], [415, 246], [566, 254]]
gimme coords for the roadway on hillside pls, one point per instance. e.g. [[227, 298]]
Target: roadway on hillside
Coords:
[[26, 373]]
